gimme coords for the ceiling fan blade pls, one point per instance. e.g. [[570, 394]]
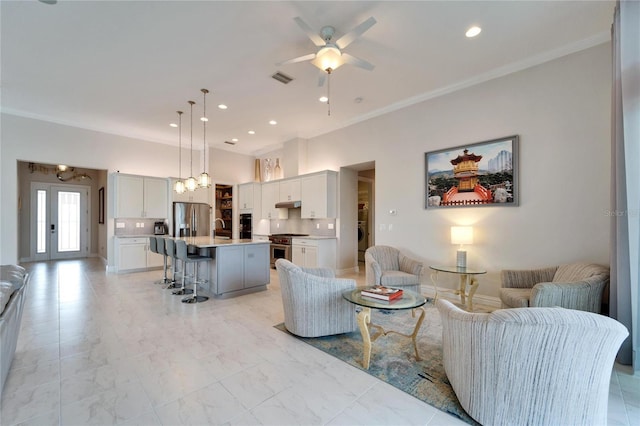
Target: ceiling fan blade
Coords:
[[352, 60], [349, 37], [308, 57], [313, 36], [321, 78]]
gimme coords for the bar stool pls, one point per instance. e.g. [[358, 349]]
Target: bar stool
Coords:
[[156, 245], [170, 250], [193, 259]]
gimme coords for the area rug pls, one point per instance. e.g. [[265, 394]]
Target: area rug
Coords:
[[393, 359]]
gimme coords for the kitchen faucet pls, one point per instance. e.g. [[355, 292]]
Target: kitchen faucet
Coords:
[[213, 232]]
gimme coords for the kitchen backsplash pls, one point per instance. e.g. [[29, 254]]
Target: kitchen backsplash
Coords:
[[295, 225], [135, 226]]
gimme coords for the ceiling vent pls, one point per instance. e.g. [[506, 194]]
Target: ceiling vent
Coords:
[[229, 143], [282, 78]]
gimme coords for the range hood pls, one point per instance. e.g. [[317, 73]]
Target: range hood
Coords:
[[289, 205]]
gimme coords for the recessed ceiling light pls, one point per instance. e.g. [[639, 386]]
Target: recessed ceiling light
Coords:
[[273, 122], [251, 132], [323, 99], [234, 140], [473, 31], [222, 106], [204, 119], [173, 125]]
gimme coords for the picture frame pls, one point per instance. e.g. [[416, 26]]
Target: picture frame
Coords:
[[101, 205], [480, 174]]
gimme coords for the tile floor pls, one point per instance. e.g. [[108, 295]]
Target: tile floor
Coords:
[[116, 349]]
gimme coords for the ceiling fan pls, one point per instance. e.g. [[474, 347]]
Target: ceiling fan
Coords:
[[330, 54]]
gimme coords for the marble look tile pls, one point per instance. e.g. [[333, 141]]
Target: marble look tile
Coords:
[[208, 406], [32, 375], [275, 411], [91, 382], [384, 404], [123, 402], [256, 384], [145, 419], [24, 404], [26, 357], [50, 418]]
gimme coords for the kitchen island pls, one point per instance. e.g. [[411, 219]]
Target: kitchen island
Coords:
[[237, 266]]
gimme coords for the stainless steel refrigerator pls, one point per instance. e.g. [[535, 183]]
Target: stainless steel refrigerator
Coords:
[[191, 219]]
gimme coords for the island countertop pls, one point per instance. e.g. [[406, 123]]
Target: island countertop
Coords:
[[209, 242]]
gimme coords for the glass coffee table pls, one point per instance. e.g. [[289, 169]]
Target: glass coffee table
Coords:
[[409, 300]]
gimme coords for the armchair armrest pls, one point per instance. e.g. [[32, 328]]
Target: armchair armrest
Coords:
[[526, 278], [583, 295], [373, 271], [410, 266]]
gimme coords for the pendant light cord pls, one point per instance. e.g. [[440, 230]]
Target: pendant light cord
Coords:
[[191, 118], [204, 130], [180, 145], [329, 92]]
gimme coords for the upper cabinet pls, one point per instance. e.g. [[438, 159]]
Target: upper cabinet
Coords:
[[250, 198], [270, 196], [140, 196], [290, 190], [318, 195]]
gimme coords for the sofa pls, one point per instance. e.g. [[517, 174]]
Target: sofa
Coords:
[[574, 286], [312, 301], [530, 366], [13, 284]]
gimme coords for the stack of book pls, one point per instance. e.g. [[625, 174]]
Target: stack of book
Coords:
[[382, 293]]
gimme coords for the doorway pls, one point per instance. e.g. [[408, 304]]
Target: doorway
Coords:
[[366, 238], [59, 225]]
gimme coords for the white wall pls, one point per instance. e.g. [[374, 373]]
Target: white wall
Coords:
[[38, 141], [561, 111]]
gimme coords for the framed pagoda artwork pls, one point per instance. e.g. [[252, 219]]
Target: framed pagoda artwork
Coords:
[[475, 175]]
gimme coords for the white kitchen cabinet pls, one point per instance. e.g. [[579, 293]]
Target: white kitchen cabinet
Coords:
[[270, 196], [140, 196], [318, 192], [314, 252], [134, 254], [290, 190], [250, 198]]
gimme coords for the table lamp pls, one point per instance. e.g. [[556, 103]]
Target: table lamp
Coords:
[[461, 235]]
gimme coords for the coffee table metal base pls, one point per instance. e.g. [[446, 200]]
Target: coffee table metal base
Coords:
[[364, 323]]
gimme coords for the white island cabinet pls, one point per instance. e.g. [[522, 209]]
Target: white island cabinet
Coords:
[[314, 252], [140, 196]]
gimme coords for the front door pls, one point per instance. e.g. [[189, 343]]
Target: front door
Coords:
[[60, 221]]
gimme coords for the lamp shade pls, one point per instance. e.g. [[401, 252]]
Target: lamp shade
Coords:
[[461, 235], [328, 58]]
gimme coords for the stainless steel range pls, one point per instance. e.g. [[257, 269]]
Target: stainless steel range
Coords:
[[281, 246]]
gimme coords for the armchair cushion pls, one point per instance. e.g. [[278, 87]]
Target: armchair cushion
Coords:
[[312, 301]]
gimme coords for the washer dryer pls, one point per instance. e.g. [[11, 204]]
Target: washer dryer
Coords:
[[363, 239]]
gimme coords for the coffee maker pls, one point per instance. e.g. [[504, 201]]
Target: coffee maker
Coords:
[[160, 228]]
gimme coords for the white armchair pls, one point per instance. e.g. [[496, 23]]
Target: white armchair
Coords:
[[530, 366], [313, 302], [386, 266], [574, 286]]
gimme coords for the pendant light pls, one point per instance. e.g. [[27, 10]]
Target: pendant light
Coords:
[[179, 186], [190, 183], [204, 181]]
